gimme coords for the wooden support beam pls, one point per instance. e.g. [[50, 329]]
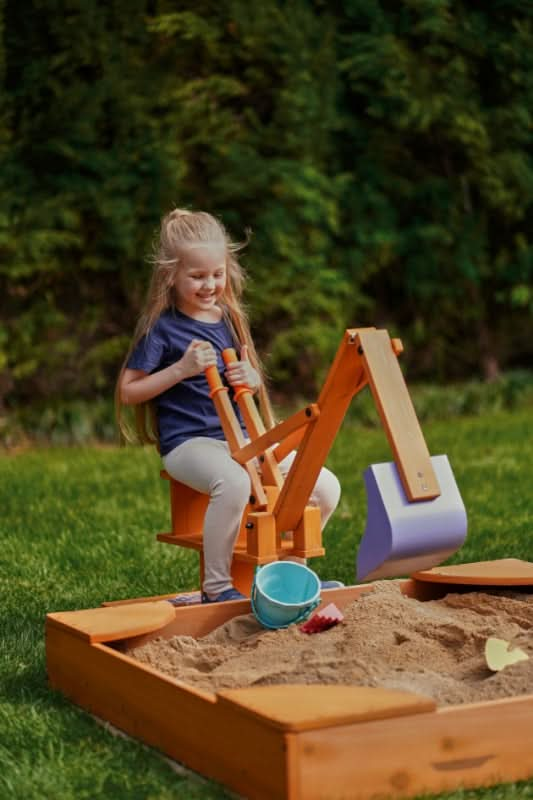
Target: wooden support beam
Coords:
[[295, 424], [345, 378], [397, 414]]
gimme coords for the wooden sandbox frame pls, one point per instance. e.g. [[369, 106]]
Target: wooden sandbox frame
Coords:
[[292, 742]]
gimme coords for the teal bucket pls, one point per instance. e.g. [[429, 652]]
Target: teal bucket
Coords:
[[284, 592]]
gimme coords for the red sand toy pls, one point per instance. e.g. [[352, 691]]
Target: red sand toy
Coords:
[[323, 620]]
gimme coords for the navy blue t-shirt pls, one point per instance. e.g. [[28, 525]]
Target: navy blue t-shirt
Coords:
[[185, 410]]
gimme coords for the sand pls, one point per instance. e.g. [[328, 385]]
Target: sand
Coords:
[[433, 648]]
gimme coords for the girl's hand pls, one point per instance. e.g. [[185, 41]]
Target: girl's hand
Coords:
[[241, 373], [198, 356]]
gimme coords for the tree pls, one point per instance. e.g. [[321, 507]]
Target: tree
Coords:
[[380, 152], [443, 178]]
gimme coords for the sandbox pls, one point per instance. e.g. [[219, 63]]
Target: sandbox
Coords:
[[314, 738], [386, 640]]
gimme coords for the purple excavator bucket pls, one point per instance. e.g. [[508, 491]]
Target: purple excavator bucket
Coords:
[[402, 537]]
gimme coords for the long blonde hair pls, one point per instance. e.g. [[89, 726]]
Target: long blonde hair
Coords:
[[180, 230]]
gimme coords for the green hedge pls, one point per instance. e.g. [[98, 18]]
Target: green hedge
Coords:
[[381, 152]]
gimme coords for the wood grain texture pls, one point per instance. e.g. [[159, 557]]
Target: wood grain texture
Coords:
[[183, 722], [398, 415], [501, 572], [303, 707], [118, 622], [460, 746]]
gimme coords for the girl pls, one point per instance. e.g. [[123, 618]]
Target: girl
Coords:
[[192, 313]]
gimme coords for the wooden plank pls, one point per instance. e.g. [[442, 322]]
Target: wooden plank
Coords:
[[134, 600], [199, 620], [398, 415], [193, 542], [187, 509], [182, 722], [500, 572], [195, 620], [293, 425], [307, 536], [460, 746], [242, 575], [270, 472], [290, 442], [341, 597], [119, 622], [308, 707]]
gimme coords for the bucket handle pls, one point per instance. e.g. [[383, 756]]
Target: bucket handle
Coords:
[[300, 618]]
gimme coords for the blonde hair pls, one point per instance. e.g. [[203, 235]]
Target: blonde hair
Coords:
[[180, 231]]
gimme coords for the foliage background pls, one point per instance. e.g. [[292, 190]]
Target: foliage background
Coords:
[[380, 151]]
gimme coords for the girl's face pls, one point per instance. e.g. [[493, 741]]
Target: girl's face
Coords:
[[200, 281]]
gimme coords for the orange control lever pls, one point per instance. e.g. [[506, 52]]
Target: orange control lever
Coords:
[[230, 357], [215, 381], [232, 431], [254, 424]]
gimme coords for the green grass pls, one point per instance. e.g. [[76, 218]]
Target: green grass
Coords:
[[78, 527]]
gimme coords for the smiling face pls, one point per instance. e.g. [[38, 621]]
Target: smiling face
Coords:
[[200, 281]]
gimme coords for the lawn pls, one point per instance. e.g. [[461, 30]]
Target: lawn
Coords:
[[78, 527]]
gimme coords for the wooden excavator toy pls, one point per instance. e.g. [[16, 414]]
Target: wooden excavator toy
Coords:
[[415, 516]]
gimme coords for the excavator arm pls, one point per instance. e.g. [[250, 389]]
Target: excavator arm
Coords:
[[366, 356]]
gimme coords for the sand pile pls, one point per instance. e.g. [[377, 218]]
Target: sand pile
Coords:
[[435, 648]]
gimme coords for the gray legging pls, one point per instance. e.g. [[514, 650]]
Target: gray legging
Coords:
[[206, 465]]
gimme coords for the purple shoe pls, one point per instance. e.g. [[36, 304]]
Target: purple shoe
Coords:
[[227, 594]]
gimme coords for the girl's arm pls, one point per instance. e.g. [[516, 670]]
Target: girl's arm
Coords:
[[138, 386]]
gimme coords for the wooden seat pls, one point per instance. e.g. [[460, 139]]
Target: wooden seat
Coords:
[[187, 509]]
